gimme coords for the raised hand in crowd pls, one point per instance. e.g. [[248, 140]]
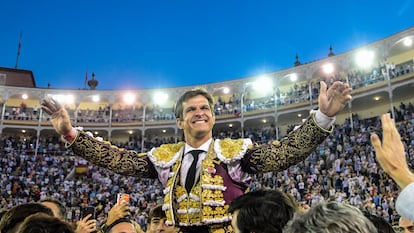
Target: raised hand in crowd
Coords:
[[390, 153], [392, 158], [86, 225], [117, 212]]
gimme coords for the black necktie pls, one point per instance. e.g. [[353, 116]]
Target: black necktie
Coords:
[[189, 182]]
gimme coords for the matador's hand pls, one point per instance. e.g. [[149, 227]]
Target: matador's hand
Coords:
[[334, 99], [60, 117]]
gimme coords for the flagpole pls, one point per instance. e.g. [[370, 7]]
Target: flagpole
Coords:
[[86, 79], [18, 50]]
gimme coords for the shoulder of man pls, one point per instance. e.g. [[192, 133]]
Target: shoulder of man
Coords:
[[230, 150], [166, 155]]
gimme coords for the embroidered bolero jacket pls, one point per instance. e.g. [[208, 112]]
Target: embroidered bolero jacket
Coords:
[[207, 201]]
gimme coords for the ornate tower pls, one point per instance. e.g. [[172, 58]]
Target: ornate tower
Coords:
[[93, 82]]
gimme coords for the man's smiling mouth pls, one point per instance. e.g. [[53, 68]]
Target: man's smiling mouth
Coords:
[[199, 121]]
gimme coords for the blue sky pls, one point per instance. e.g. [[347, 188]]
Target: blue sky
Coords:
[[139, 44]]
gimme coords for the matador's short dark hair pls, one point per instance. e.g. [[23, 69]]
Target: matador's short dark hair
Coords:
[[178, 111]]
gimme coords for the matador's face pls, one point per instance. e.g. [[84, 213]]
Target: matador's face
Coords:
[[198, 119]]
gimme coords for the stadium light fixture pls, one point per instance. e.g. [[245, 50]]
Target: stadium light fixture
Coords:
[[328, 68], [63, 99], [293, 77], [365, 58], [160, 98], [224, 90], [129, 98], [95, 98], [408, 42], [263, 83]]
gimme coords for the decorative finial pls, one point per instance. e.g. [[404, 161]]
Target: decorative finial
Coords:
[[297, 62], [330, 52], [93, 82]]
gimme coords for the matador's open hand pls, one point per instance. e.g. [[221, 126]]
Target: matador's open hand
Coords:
[[334, 99], [60, 117]]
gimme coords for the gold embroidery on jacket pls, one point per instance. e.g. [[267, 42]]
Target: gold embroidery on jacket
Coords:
[[205, 203]]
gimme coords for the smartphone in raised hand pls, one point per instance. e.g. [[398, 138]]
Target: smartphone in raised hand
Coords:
[[122, 198], [85, 211]]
